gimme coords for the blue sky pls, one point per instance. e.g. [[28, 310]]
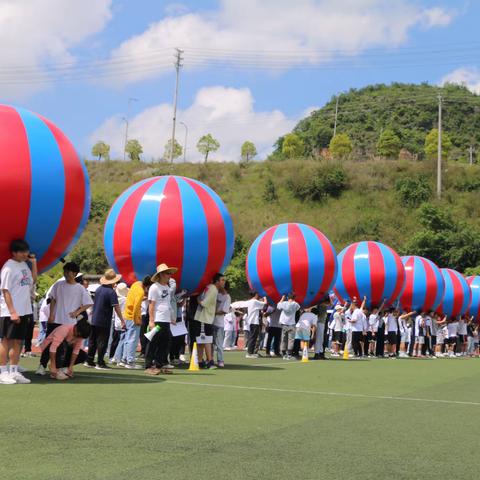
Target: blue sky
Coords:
[[252, 68]]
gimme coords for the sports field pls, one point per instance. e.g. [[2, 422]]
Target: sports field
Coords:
[[264, 418]]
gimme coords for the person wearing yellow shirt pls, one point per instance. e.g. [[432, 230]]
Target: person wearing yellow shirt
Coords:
[[132, 315]]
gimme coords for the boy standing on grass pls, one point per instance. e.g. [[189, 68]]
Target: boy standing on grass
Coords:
[[68, 300], [16, 280], [288, 308], [106, 301], [64, 348], [254, 308]]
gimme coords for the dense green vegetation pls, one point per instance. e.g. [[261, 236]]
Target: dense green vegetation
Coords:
[[380, 120]]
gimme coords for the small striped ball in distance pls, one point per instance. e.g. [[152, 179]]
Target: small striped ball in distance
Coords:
[[474, 309], [458, 294]]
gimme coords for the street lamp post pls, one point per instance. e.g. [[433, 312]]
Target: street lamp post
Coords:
[[130, 100], [185, 144]]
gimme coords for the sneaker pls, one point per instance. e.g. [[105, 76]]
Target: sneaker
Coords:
[[89, 365], [133, 366], [202, 364], [121, 364], [102, 367], [168, 366], [59, 376], [41, 371], [211, 365], [152, 371], [183, 358], [221, 365], [272, 354], [19, 378], [7, 379], [176, 362], [253, 355], [226, 349], [287, 357]]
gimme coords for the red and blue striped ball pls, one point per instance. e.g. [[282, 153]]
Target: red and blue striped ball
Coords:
[[424, 285], [174, 220], [474, 309], [292, 257], [458, 294], [44, 186], [372, 270]]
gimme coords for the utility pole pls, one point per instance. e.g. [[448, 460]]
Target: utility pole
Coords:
[[185, 144], [336, 115], [439, 148], [470, 151], [130, 100], [178, 64]]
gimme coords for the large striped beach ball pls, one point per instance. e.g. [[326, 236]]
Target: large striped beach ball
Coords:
[[372, 270], [44, 187], [172, 220], [292, 257], [424, 286], [458, 295], [474, 309]]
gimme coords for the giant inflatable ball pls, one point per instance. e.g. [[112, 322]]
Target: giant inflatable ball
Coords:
[[172, 220], [458, 295], [424, 285], [292, 257], [372, 270], [43, 184], [474, 309]]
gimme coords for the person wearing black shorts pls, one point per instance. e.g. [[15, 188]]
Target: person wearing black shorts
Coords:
[[16, 279]]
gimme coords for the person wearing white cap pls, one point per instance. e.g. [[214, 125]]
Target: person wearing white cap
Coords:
[[106, 301]]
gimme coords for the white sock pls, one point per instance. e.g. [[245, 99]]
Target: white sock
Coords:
[[13, 368], [3, 369]]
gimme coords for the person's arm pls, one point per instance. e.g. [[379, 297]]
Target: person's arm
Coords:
[[79, 311], [151, 314], [364, 302], [33, 263], [118, 311], [8, 300], [51, 316]]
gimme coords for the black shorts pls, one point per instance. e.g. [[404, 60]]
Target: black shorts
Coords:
[[12, 330], [392, 338], [452, 340], [462, 338], [196, 329], [337, 337]]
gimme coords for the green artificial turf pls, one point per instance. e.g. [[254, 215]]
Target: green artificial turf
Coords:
[[402, 419]]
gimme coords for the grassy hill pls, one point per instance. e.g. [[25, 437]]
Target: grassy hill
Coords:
[[389, 201]]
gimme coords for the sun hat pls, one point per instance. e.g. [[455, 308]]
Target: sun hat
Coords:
[[110, 277], [338, 307], [163, 268], [122, 289]]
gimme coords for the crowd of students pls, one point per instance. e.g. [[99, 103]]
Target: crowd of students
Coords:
[[158, 319]]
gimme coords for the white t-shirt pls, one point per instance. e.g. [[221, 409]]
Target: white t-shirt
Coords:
[[44, 312], [358, 319], [462, 328], [348, 317], [307, 320], [17, 278], [254, 307], [287, 317], [392, 323], [420, 331], [402, 325], [338, 322], [116, 318], [160, 294], [68, 298], [452, 329], [229, 322], [223, 305], [373, 322], [246, 325]]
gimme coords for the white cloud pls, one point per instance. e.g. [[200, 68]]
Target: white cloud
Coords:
[[33, 32], [302, 30], [469, 77], [227, 113]]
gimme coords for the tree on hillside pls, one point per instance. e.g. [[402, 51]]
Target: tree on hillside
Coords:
[[431, 144], [207, 144], [340, 146], [292, 146], [248, 151], [134, 149], [177, 150], [101, 149], [388, 144]]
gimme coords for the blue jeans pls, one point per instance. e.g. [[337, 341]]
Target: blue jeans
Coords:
[[230, 336], [132, 336], [218, 338]]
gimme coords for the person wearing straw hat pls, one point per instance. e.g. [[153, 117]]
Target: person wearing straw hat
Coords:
[[161, 314], [106, 301]]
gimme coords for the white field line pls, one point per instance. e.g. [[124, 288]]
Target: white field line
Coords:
[[286, 390]]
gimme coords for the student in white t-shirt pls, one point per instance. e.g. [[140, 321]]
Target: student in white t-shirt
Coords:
[[452, 327], [462, 336], [288, 308], [68, 300], [358, 322], [403, 325], [305, 328], [16, 280], [254, 307], [223, 307], [392, 332], [338, 329], [439, 324]]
